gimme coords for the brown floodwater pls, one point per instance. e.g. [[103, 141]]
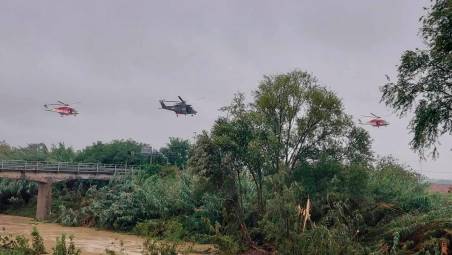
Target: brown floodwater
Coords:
[[89, 240]]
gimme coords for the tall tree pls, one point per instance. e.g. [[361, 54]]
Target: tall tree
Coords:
[[176, 151], [302, 119], [33, 152], [214, 161], [61, 152], [292, 120], [5, 150], [424, 81]]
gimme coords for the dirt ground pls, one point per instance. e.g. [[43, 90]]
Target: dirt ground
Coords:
[[89, 240], [443, 188]]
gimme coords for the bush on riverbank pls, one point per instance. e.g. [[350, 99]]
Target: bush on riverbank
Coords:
[[347, 216], [16, 194], [20, 245], [356, 209], [63, 247]]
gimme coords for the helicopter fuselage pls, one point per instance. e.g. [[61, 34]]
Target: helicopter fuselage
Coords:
[[378, 122], [179, 108], [64, 110]]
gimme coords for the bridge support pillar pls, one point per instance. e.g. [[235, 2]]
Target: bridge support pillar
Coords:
[[44, 200]]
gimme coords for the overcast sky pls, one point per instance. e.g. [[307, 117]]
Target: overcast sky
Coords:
[[118, 58]]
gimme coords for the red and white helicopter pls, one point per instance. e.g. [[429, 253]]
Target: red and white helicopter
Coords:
[[374, 121], [62, 108]]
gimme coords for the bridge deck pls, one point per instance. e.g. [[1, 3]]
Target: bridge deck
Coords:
[[64, 167]]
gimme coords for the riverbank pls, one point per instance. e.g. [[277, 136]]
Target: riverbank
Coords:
[[89, 240]]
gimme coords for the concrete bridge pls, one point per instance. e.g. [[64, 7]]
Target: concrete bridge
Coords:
[[47, 173]]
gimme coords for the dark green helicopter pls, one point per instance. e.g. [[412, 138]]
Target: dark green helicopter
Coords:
[[180, 107]]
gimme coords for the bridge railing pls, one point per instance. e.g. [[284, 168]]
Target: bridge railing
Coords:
[[64, 167]]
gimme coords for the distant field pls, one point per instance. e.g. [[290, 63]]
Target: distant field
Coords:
[[443, 188]]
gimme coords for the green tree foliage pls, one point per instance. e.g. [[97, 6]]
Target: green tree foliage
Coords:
[[62, 153], [37, 152], [177, 151], [301, 120], [399, 186], [425, 80], [5, 150], [33, 152], [295, 142], [129, 200], [218, 170], [292, 120], [116, 152]]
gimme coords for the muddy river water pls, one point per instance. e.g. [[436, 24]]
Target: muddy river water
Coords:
[[89, 240]]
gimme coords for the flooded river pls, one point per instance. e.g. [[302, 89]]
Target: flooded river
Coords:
[[89, 240]]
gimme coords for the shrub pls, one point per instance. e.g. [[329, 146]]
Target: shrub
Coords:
[[321, 240], [64, 248], [170, 229], [152, 247], [227, 245], [280, 221], [390, 182], [20, 245], [16, 193], [37, 242]]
